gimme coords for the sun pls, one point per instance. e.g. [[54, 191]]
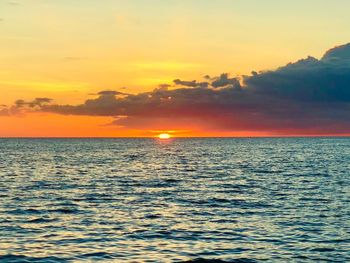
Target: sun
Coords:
[[164, 136]]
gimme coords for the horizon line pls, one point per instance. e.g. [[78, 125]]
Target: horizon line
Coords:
[[180, 137]]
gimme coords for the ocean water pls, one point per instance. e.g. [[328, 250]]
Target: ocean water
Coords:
[[146, 200]]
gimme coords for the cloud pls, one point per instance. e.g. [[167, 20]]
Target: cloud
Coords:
[[13, 3], [308, 79], [4, 110], [111, 93], [164, 86], [192, 83], [37, 102], [22, 106], [339, 52], [223, 80], [309, 96]]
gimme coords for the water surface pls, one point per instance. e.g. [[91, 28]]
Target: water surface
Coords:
[[145, 200]]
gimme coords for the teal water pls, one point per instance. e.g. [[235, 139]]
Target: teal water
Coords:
[[146, 200]]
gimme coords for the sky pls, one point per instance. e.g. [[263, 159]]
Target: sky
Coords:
[[118, 68]]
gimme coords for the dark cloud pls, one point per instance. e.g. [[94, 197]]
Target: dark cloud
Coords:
[[308, 79], [111, 93], [192, 83], [164, 86], [305, 97], [22, 106], [216, 82], [339, 52], [37, 102], [223, 80]]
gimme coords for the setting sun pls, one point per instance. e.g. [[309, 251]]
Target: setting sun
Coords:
[[164, 136]]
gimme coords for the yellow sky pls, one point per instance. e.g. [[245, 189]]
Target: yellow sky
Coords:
[[83, 46]]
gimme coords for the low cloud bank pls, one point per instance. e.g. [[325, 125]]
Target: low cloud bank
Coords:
[[308, 96]]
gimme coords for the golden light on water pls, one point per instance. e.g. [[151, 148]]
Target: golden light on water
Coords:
[[164, 136]]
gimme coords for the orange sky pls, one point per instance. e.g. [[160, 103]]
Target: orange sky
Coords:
[[52, 125]]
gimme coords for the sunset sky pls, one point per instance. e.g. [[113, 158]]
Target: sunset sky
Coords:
[[187, 67]]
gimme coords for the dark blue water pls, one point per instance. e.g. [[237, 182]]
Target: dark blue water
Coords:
[[145, 200]]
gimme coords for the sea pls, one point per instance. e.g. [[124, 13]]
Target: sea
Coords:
[[176, 200]]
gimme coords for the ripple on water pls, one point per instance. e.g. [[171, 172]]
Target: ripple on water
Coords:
[[203, 200]]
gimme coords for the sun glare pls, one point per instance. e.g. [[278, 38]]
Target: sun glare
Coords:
[[164, 136]]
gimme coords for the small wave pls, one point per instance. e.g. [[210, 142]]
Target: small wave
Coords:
[[65, 211], [323, 249], [96, 255], [41, 220], [24, 259], [170, 180], [152, 216], [203, 260], [28, 211]]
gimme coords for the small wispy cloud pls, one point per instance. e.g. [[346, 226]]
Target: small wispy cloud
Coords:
[[165, 65], [13, 3]]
